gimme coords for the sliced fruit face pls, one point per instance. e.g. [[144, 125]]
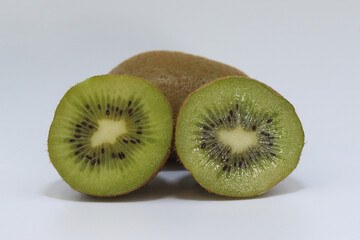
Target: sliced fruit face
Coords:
[[238, 137], [110, 134]]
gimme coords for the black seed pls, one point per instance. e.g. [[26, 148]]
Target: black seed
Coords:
[[225, 167], [93, 162], [138, 140], [240, 163], [107, 112], [231, 113], [79, 145], [77, 152], [87, 106], [139, 132], [227, 159], [273, 154], [72, 140], [84, 124], [137, 121], [237, 107], [129, 103], [99, 107], [113, 155], [98, 161], [121, 112], [117, 109], [214, 144], [112, 108], [91, 126], [242, 158], [203, 145], [221, 122], [270, 137], [125, 140], [88, 156], [132, 141], [206, 128], [102, 150], [78, 125], [77, 136], [213, 125], [265, 133], [78, 131], [229, 168], [229, 119], [254, 127], [130, 110], [120, 155], [270, 144], [269, 120]]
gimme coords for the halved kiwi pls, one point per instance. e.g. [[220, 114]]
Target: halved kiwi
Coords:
[[238, 137], [110, 134]]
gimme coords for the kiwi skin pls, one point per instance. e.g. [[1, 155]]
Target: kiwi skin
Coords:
[[208, 190], [176, 74], [166, 157]]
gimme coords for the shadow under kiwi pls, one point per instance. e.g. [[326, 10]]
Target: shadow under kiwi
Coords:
[[167, 184]]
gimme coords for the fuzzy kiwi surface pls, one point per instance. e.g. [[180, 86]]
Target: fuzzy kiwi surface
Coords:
[[110, 135], [176, 74], [238, 137]]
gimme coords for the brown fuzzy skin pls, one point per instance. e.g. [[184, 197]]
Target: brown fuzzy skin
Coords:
[[208, 190], [176, 74]]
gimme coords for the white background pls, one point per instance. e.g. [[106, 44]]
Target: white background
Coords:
[[307, 50]]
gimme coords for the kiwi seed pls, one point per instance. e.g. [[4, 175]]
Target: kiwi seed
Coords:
[[238, 137]]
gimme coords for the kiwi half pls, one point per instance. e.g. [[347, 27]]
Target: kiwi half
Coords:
[[238, 137], [176, 74], [110, 134]]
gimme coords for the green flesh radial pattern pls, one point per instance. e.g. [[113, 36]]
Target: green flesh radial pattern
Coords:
[[110, 134], [238, 137]]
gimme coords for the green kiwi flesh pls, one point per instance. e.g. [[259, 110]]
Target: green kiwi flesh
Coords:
[[110, 134], [238, 137]]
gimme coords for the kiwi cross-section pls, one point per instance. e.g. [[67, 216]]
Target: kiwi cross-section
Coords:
[[110, 134], [238, 137]]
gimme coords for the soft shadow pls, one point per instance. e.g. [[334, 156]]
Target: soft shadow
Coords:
[[183, 187], [287, 186]]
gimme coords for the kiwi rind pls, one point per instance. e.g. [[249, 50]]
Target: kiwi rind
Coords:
[[87, 84], [230, 194], [176, 74]]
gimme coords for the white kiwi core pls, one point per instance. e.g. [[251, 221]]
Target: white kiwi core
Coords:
[[238, 139], [108, 131]]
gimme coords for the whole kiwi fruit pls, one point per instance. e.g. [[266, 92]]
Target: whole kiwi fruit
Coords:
[[176, 74]]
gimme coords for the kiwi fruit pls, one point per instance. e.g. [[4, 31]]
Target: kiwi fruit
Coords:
[[176, 74], [238, 137], [110, 135]]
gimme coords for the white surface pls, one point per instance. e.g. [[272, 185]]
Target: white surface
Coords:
[[309, 51]]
